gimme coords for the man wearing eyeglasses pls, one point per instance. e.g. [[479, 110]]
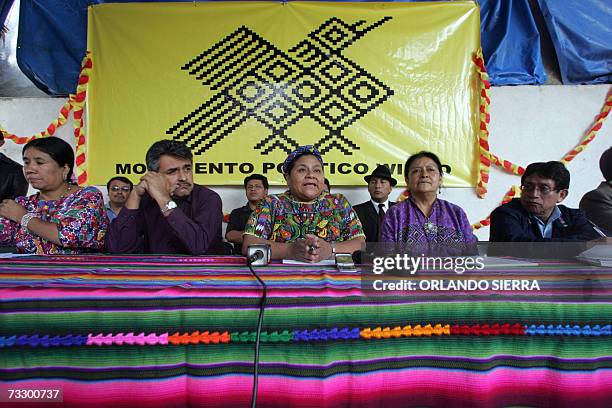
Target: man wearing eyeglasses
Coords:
[[255, 188], [119, 189], [538, 216]]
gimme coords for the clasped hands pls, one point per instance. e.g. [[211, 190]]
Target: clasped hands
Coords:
[[11, 210], [158, 187], [311, 249]]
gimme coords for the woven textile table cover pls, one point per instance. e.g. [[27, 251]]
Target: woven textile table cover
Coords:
[[158, 331]]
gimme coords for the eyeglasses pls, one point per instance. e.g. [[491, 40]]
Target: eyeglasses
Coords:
[[542, 188], [125, 189]]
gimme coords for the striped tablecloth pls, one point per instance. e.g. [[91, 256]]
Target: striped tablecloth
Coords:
[[178, 331]]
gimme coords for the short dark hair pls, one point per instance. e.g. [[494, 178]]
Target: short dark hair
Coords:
[[256, 176], [59, 150], [605, 164], [442, 168], [166, 147], [121, 179], [553, 170]]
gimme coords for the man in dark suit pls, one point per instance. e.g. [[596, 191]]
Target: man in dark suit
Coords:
[[597, 204], [255, 188], [12, 183], [538, 217], [371, 213]]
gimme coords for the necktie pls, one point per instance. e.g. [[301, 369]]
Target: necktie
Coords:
[[381, 213]]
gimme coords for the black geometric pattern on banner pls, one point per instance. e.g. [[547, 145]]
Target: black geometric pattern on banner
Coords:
[[253, 79]]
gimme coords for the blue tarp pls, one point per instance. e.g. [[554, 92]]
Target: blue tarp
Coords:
[[510, 43], [52, 42], [581, 31]]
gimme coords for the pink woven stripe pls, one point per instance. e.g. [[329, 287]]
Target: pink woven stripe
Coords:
[[116, 293], [414, 387]]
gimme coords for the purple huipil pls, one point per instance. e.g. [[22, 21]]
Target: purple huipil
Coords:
[[194, 227], [446, 231]]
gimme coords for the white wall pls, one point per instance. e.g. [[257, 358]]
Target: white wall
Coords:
[[528, 123]]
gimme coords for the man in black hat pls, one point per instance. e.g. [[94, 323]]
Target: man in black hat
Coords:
[[371, 213]]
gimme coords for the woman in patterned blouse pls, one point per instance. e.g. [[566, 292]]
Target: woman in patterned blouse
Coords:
[[425, 223], [305, 223], [61, 218]]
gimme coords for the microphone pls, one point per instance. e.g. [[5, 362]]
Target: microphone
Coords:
[[256, 256], [259, 254]]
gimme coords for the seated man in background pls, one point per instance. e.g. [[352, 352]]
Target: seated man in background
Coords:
[[371, 213], [119, 189], [537, 215], [255, 188], [597, 204], [166, 213], [12, 183]]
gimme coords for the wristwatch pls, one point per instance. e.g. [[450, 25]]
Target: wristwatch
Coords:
[[170, 205]]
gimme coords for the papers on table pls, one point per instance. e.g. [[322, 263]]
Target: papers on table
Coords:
[[9, 255], [496, 262], [324, 262], [599, 255]]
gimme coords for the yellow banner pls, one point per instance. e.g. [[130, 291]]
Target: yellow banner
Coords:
[[243, 83]]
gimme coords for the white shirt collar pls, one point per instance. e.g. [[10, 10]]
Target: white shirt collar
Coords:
[[546, 228], [375, 204]]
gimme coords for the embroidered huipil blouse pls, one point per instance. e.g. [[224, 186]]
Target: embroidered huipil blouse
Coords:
[[446, 230], [282, 218], [80, 218]]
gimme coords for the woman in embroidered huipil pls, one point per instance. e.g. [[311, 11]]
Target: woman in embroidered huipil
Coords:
[[305, 223], [423, 222], [61, 218]]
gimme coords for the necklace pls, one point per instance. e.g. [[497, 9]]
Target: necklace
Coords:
[[428, 226], [65, 193]]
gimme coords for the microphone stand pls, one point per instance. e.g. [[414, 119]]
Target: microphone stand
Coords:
[[262, 304]]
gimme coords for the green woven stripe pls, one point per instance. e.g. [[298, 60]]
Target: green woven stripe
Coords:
[[272, 337], [277, 319], [246, 302], [316, 353], [247, 369]]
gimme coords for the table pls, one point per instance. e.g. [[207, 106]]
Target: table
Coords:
[[158, 331]]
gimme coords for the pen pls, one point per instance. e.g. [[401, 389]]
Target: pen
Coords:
[[597, 230]]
